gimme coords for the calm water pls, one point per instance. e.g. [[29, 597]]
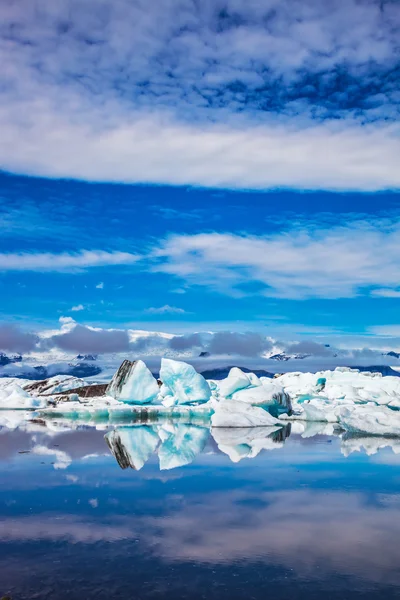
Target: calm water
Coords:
[[295, 517]]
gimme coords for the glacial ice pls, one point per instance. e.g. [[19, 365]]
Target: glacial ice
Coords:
[[366, 403], [236, 380], [234, 413], [184, 382], [14, 397], [134, 384], [267, 394], [373, 420]]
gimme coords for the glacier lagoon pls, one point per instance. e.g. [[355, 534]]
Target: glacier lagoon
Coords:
[[177, 510]]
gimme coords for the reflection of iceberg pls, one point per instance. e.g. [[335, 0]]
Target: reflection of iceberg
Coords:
[[369, 444], [240, 443], [181, 444], [132, 446]]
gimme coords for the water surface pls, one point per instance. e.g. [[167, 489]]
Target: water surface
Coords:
[[292, 517]]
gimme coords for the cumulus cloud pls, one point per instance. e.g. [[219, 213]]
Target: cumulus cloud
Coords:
[[166, 310], [12, 339], [78, 307], [229, 93], [66, 261], [87, 340], [307, 262]]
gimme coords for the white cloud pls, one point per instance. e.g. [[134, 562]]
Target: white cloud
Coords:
[[162, 89], [78, 307], [386, 293], [165, 310], [100, 286], [335, 262], [66, 261], [158, 149]]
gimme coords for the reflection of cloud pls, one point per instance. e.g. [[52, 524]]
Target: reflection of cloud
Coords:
[[300, 529], [62, 527], [63, 460]]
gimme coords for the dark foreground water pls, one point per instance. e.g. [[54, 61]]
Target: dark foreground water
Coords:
[[296, 517]]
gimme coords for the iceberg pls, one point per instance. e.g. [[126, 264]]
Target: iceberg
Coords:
[[183, 381], [234, 413], [132, 446], [133, 383], [14, 397], [236, 380], [370, 419], [267, 394], [181, 444]]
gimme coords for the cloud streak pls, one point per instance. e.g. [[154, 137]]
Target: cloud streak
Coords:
[[66, 261], [335, 262]]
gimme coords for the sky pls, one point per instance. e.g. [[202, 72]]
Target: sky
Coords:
[[184, 166]]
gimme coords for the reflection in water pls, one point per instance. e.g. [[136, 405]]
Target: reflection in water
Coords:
[[316, 518], [179, 444]]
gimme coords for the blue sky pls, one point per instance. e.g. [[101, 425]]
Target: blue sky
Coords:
[[179, 166]]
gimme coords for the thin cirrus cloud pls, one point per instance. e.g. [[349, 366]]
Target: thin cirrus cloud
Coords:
[[66, 261], [336, 262], [229, 93]]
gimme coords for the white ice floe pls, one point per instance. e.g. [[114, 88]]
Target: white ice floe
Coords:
[[133, 383], [342, 384], [183, 381], [234, 413], [236, 380], [374, 420], [14, 397], [266, 394]]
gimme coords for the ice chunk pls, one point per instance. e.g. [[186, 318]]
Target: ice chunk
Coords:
[[53, 385], [181, 445], [236, 380], [184, 382], [133, 383], [233, 413], [267, 394], [14, 397], [370, 419], [348, 385], [132, 446]]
